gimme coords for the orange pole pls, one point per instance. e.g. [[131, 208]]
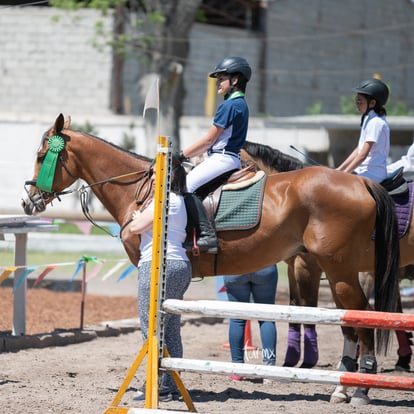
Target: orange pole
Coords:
[[248, 345]]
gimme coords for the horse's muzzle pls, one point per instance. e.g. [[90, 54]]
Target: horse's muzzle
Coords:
[[35, 201]]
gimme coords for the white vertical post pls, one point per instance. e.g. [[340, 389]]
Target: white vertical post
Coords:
[[19, 302]]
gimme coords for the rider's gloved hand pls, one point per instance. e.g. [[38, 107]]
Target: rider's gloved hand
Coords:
[[182, 158]]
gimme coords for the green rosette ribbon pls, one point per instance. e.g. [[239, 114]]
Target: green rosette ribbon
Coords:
[[47, 172]]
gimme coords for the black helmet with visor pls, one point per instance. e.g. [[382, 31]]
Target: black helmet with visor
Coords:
[[232, 64]]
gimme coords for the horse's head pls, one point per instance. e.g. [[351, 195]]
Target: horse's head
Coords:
[[54, 170]]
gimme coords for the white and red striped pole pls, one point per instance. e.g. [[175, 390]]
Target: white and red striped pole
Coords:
[[293, 314]]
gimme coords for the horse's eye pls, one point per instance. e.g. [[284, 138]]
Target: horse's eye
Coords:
[[40, 157]]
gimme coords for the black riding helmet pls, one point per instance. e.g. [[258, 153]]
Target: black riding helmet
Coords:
[[232, 64], [374, 88]]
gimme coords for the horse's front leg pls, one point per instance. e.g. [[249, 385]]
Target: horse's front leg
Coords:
[[292, 354]]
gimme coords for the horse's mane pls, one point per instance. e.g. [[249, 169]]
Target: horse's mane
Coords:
[[273, 158], [134, 154]]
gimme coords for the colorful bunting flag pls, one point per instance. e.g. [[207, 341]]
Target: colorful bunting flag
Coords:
[[126, 272], [114, 269], [45, 272], [80, 265], [23, 277], [94, 272], [84, 226], [6, 273]]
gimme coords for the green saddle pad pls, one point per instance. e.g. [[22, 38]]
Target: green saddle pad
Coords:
[[240, 209]]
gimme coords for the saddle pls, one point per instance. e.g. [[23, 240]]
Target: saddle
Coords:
[[400, 189], [395, 183], [210, 193], [226, 178]]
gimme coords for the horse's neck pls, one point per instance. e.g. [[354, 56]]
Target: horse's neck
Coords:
[[107, 163]]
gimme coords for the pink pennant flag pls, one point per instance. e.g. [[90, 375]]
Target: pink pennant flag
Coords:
[[45, 272], [84, 226], [94, 272]]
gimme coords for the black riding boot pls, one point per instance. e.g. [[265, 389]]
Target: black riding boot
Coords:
[[206, 235]]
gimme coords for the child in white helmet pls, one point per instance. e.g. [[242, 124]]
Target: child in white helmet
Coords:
[[369, 158]]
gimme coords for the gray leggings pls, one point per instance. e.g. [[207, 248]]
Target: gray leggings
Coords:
[[177, 281]]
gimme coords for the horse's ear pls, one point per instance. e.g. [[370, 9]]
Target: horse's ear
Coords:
[[68, 120], [59, 123]]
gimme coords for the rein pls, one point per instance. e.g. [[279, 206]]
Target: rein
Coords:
[[84, 196]]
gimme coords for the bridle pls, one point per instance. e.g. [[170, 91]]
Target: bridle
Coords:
[[143, 192]]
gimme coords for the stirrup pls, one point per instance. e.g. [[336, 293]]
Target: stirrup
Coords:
[[194, 246], [211, 248]]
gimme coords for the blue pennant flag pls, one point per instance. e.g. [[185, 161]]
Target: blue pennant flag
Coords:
[[23, 276], [80, 265], [126, 272]]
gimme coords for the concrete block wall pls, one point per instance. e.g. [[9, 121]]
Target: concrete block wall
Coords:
[[318, 50], [209, 45], [49, 65]]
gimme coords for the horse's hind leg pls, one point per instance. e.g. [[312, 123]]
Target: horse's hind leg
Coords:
[[349, 295], [404, 338], [404, 350], [367, 362], [348, 363], [404, 347], [366, 280], [304, 278]]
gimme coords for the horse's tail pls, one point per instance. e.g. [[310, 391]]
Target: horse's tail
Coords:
[[387, 258]]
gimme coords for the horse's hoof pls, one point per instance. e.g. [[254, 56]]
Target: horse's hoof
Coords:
[[360, 398], [307, 365], [288, 364], [403, 363], [339, 398]]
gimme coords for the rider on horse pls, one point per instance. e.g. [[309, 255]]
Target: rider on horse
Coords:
[[222, 142]]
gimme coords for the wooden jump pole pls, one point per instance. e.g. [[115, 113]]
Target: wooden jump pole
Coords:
[[350, 379], [293, 314]]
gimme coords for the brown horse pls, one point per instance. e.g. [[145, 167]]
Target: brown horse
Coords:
[[329, 214], [304, 273]]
